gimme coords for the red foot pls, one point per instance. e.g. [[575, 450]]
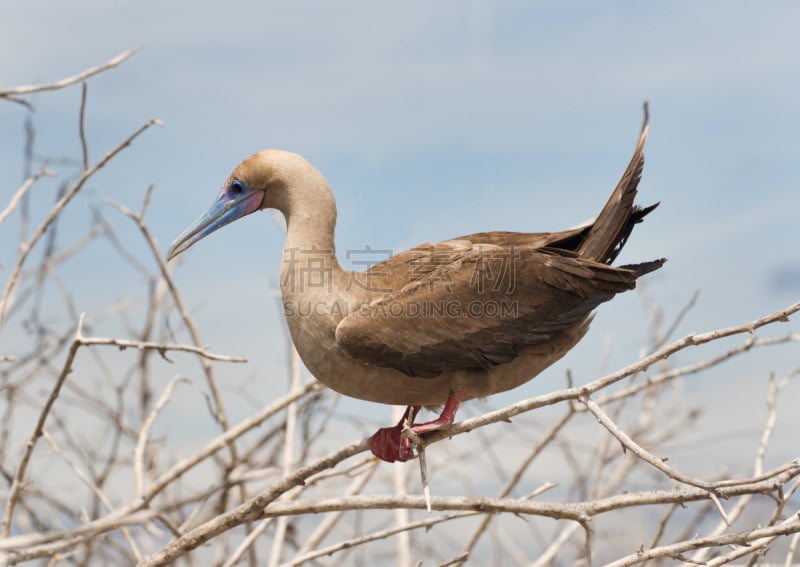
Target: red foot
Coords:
[[389, 443]]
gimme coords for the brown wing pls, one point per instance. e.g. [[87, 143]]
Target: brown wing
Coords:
[[480, 309], [419, 262]]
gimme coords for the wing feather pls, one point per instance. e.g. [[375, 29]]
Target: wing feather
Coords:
[[470, 306]]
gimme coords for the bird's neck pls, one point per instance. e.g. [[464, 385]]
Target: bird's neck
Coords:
[[309, 265]]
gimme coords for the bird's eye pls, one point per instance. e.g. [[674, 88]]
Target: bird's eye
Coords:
[[237, 188]]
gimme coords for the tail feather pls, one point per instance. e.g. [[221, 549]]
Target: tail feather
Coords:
[[616, 221], [644, 267]]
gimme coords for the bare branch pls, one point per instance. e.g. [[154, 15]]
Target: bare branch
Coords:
[[82, 128], [113, 62], [741, 538], [144, 432], [17, 197], [161, 348], [87, 481], [19, 477], [264, 505], [253, 508], [640, 365], [218, 409], [361, 540], [59, 206]]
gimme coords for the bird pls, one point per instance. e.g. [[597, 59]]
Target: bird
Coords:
[[438, 324]]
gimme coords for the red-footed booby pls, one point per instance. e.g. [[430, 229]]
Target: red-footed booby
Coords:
[[438, 324]]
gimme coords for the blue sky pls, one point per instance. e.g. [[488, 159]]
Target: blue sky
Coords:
[[429, 120]]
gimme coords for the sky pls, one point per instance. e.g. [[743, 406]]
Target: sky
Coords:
[[429, 120]]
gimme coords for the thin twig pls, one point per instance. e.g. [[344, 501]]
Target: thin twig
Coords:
[[17, 197], [144, 432], [739, 538], [93, 487], [383, 534], [26, 247], [250, 510], [82, 76], [19, 477], [224, 439], [324, 528], [288, 453], [137, 511], [161, 348], [82, 127], [218, 410], [640, 365], [517, 476], [640, 451]]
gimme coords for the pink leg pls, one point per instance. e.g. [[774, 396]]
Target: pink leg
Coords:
[[444, 420], [389, 443]]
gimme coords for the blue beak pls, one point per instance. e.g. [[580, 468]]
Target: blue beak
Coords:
[[235, 201]]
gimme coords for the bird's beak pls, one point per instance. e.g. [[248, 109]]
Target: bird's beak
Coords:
[[229, 206]]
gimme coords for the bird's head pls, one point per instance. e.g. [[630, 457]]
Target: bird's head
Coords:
[[261, 181]]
